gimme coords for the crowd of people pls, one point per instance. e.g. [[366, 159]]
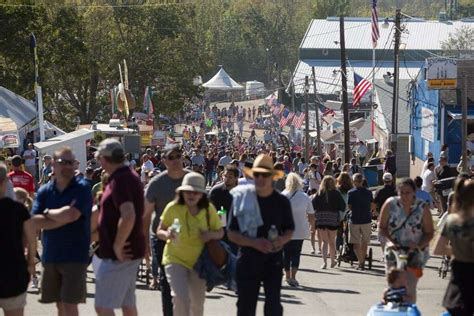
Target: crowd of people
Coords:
[[263, 202]]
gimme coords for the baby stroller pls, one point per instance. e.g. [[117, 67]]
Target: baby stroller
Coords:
[[346, 251], [444, 267]]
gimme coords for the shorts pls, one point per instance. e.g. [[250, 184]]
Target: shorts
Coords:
[[115, 282], [359, 233], [64, 282], [13, 303]]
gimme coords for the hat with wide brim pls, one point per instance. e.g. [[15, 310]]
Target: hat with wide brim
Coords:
[[264, 164], [193, 182]]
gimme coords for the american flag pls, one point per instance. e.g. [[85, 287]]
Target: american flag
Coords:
[[375, 24], [361, 86], [298, 120], [278, 109], [286, 118]]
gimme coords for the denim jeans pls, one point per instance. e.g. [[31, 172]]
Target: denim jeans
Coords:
[[166, 299]]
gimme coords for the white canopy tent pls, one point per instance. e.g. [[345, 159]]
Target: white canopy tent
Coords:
[[222, 82]]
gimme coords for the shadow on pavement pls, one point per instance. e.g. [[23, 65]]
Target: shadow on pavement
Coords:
[[315, 290], [317, 271]]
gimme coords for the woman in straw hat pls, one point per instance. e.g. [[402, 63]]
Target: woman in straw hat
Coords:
[[187, 223]]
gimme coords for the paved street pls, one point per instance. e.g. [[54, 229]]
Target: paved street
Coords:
[[340, 291]]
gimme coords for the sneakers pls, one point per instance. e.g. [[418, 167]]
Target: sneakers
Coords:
[[312, 251], [292, 282], [333, 264], [34, 283], [324, 266]]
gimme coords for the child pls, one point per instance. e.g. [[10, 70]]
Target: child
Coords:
[[397, 287]]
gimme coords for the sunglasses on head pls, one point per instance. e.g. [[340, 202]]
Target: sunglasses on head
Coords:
[[64, 162], [261, 174], [175, 157]]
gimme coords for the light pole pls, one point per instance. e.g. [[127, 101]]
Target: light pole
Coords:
[[306, 132]]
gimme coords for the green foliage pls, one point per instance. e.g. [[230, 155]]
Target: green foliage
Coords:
[[460, 42], [166, 44]]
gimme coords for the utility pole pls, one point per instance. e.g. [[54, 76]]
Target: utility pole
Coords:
[[345, 106], [316, 108], [396, 75], [306, 132], [464, 122], [292, 96]]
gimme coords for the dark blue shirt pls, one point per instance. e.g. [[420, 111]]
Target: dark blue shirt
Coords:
[[360, 200], [68, 243]]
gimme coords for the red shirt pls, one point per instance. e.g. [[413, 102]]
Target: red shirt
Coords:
[[22, 179], [124, 186]]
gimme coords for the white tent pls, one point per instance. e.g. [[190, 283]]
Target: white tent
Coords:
[[222, 82], [75, 140]]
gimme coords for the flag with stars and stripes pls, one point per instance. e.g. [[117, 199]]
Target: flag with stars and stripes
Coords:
[[278, 109], [361, 86], [298, 120], [286, 117], [375, 24]]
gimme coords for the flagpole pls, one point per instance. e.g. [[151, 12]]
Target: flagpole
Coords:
[[372, 96], [38, 92]]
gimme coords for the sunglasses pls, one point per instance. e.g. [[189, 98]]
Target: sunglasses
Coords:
[[176, 157], [64, 162], [261, 174]]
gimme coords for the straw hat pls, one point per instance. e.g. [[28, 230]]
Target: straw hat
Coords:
[[264, 164], [193, 182]]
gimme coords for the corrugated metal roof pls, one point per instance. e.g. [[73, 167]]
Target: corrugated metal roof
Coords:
[[421, 34], [328, 82]]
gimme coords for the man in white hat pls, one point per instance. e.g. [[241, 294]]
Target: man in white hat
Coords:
[[382, 195], [261, 257]]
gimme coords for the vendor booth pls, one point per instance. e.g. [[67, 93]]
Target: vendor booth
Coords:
[[78, 140]]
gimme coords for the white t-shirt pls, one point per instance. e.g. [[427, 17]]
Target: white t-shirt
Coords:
[[428, 178], [30, 161], [301, 206]]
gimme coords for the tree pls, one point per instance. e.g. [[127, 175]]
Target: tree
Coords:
[[459, 42]]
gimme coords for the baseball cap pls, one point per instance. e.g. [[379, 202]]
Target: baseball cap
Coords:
[[110, 147], [387, 176]]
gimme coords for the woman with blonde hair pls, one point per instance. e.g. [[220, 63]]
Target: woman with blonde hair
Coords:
[[303, 213], [327, 204], [23, 197]]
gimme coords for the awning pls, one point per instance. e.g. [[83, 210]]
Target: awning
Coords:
[[8, 133], [457, 114]]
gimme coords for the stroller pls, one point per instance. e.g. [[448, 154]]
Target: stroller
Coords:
[[346, 250]]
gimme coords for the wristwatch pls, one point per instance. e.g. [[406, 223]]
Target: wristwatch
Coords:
[[46, 212]]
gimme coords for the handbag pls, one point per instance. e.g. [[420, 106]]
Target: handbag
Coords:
[[216, 251]]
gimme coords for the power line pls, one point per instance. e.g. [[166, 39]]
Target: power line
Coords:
[[96, 5]]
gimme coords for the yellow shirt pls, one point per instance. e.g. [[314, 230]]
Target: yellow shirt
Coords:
[[188, 246]]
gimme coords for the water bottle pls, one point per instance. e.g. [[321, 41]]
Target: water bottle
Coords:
[[223, 216], [176, 228], [273, 233]]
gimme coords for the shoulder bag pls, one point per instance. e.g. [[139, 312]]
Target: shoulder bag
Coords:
[[216, 251]]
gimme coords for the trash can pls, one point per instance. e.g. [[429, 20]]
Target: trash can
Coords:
[[371, 173], [379, 163]]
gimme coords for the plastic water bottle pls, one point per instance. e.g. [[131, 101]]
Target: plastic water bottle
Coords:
[[176, 228], [272, 233], [223, 216]]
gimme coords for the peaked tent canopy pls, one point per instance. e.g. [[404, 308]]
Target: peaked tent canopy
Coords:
[[222, 82], [15, 107]]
